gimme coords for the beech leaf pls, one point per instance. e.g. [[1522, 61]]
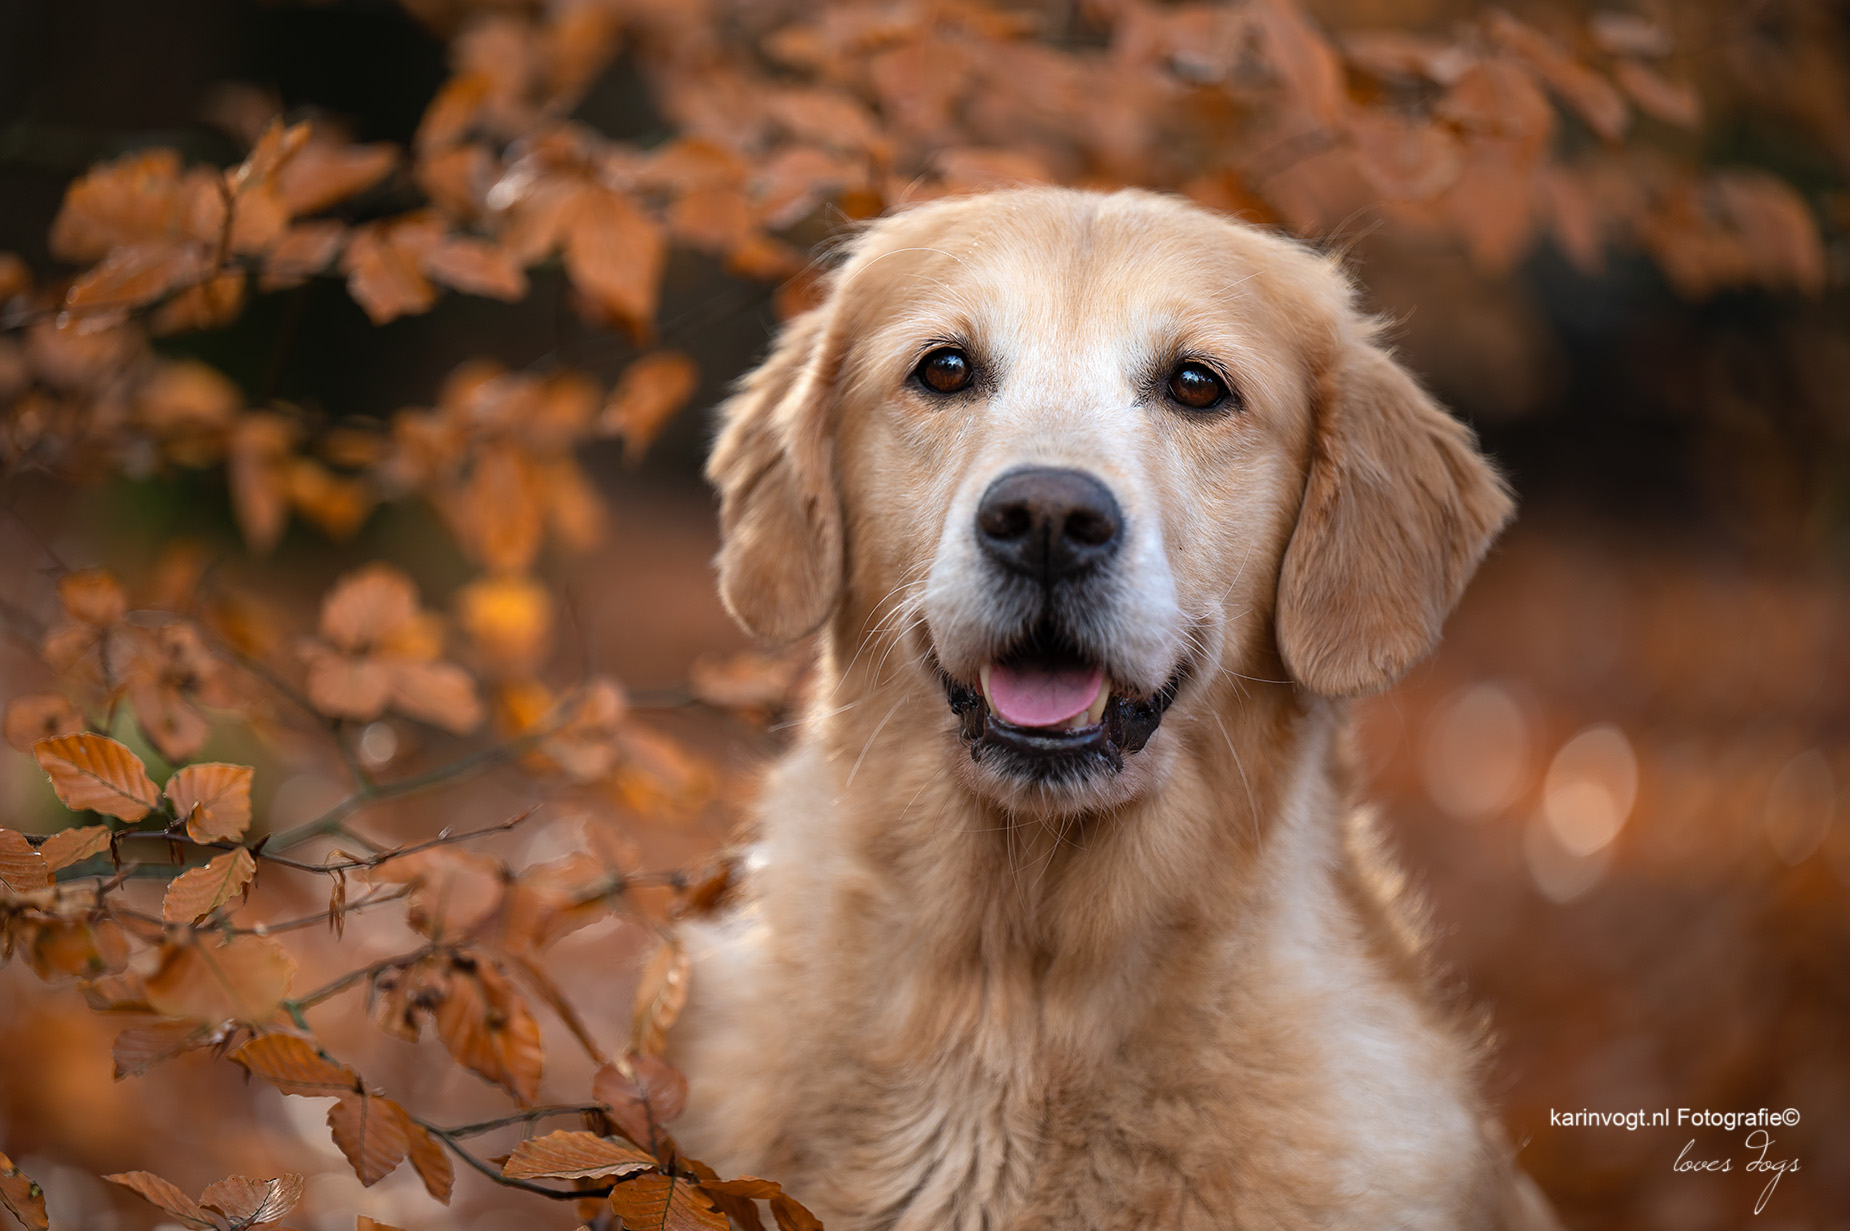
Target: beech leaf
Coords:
[[96, 773], [295, 1066], [20, 1194], [214, 799], [575, 1155], [198, 892], [154, 1189]]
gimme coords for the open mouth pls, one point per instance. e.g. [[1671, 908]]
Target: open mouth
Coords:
[[1046, 711]]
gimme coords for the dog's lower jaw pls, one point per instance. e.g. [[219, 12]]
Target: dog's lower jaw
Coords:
[[1064, 758]]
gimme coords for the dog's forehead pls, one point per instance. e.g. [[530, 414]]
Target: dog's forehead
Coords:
[[1125, 269]]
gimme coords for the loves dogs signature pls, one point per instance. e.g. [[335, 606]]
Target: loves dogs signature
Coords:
[[1759, 1140]]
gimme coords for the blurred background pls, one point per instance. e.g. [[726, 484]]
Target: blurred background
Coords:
[[1623, 781]]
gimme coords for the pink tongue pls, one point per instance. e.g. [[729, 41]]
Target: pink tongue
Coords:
[[1038, 697]]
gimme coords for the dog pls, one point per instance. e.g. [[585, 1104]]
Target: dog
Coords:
[[1061, 911]]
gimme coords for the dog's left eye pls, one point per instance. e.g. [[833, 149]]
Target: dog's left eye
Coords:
[[1196, 386], [945, 370]]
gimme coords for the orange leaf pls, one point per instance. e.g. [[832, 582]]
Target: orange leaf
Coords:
[[1303, 58], [247, 1202], [382, 267], [22, 1196], [211, 304], [23, 867], [664, 1203], [198, 892], [441, 694], [243, 980], [214, 798], [257, 468], [660, 996], [135, 274], [363, 1223], [93, 596], [488, 1028], [509, 619], [343, 687], [475, 266], [324, 173], [614, 253], [95, 772], [40, 715], [303, 251], [649, 1095], [139, 1048], [295, 1066], [370, 1131], [574, 1156], [368, 605], [647, 395], [68, 846], [430, 1160], [790, 1213], [1674, 102], [152, 1188]]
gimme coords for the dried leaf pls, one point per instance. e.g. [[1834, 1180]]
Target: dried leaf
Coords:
[[430, 1160], [324, 173], [614, 253], [152, 1188], [367, 606], [136, 274], [384, 267], [40, 715], [198, 892], [295, 1066], [647, 395], [370, 1131], [660, 996], [139, 1048], [475, 266], [69, 846], [302, 252], [214, 798], [649, 1202], [441, 694], [96, 773], [1674, 102], [488, 1027], [244, 979], [20, 1194], [23, 868], [790, 1213], [575, 1156], [363, 1223], [650, 1094], [509, 620], [246, 1202], [93, 596]]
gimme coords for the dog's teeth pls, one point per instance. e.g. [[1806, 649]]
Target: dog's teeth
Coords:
[[1096, 713]]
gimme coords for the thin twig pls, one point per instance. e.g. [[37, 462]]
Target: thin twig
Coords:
[[522, 1117], [494, 1173], [298, 1003]]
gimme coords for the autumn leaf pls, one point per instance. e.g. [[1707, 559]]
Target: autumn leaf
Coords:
[[162, 1193], [93, 596], [614, 253], [509, 620], [139, 1048], [475, 266], [370, 1131], [23, 868], [790, 1213], [244, 979], [22, 1196], [295, 1066], [95, 773], [383, 264], [660, 995], [40, 715], [647, 395], [213, 798], [643, 1092], [489, 1029], [245, 1202], [69, 846], [574, 1156], [363, 1223], [649, 1202], [198, 892], [430, 1160]]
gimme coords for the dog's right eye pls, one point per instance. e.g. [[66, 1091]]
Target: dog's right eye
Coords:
[[945, 370]]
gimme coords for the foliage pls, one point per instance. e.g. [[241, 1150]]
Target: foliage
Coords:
[[1495, 134]]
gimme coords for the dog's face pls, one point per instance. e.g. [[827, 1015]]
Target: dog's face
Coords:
[[1079, 461]]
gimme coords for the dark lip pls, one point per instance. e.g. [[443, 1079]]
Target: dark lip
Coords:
[[1041, 754]]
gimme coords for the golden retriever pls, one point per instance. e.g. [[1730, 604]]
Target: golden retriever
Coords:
[[1061, 913]]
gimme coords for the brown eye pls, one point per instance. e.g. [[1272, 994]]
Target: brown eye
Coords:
[[945, 370], [1196, 387]]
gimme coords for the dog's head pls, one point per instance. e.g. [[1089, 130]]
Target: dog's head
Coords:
[[1060, 463]]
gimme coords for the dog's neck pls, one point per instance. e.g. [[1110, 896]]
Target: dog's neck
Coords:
[[1056, 912]]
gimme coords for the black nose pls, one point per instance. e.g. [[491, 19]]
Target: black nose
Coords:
[[1049, 524]]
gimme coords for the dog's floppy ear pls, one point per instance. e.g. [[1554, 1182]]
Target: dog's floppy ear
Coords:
[[1398, 508], [780, 557]]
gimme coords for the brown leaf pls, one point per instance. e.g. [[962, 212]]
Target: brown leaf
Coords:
[[791, 1215], [93, 596], [303, 251], [135, 274], [475, 266], [23, 868], [198, 892], [256, 465], [295, 1066], [324, 173], [152, 1188], [246, 1202], [647, 395], [244, 980], [367, 606], [383, 264], [1674, 102], [1588, 93], [652, 1093], [574, 1156], [22, 1196], [139, 1048], [664, 1203], [509, 620], [441, 694], [214, 798], [488, 1027], [660, 996], [614, 254], [68, 846], [452, 890], [40, 715], [96, 773], [1303, 58], [209, 304], [370, 1131], [363, 1223], [344, 687], [430, 1160]]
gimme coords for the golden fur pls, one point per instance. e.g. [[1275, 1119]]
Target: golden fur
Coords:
[[1188, 994]]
